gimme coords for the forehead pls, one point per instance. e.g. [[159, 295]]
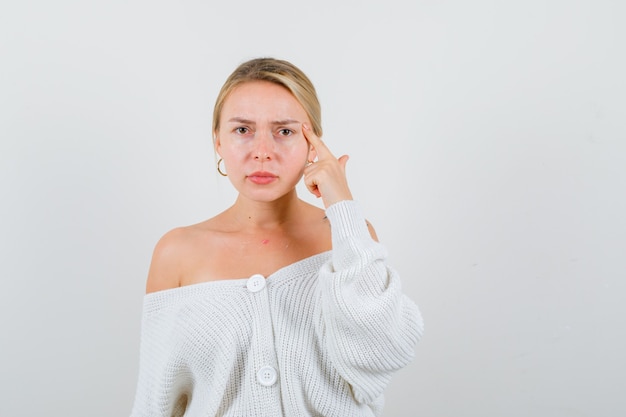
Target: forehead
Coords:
[[262, 98]]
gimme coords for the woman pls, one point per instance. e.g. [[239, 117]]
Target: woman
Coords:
[[274, 307]]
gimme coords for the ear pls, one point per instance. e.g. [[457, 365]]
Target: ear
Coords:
[[217, 144]]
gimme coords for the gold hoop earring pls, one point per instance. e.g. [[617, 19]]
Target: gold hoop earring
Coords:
[[219, 169]]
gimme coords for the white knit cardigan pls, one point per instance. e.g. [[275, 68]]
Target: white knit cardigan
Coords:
[[320, 337]]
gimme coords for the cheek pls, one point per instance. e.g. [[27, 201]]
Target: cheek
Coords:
[[294, 156], [234, 148], [292, 148], [295, 146]]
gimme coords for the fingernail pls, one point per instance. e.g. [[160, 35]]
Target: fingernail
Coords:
[[304, 125]]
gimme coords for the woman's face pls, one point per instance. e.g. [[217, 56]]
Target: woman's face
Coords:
[[261, 141]]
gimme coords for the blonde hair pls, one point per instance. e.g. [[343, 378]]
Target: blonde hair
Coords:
[[279, 72]]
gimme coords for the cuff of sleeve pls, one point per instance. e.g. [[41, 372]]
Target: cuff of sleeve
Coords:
[[347, 220]]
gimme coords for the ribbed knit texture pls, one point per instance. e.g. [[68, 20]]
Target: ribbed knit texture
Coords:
[[334, 326]]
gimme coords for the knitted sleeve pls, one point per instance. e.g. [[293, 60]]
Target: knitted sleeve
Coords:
[[369, 326], [153, 390]]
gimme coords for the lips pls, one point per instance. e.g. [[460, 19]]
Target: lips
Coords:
[[262, 177]]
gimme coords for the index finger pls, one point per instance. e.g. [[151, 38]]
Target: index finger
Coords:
[[319, 146]]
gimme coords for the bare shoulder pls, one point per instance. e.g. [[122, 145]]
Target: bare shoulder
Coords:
[[167, 264], [371, 230]]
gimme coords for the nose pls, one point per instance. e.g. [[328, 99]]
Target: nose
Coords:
[[264, 147]]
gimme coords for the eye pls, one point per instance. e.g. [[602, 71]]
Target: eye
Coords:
[[241, 130], [285, 132]]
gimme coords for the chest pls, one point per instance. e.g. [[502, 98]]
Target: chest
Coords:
[[241, 256]]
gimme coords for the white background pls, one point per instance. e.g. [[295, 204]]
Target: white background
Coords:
[[488, 148]]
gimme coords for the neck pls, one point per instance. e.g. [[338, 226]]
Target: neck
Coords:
[[266, 215]]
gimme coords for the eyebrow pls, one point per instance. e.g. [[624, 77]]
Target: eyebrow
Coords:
[[250, 122]]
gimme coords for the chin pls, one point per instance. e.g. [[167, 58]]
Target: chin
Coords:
[[266, 195]]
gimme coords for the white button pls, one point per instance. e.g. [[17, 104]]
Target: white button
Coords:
[[267, 376], [256, 283]]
